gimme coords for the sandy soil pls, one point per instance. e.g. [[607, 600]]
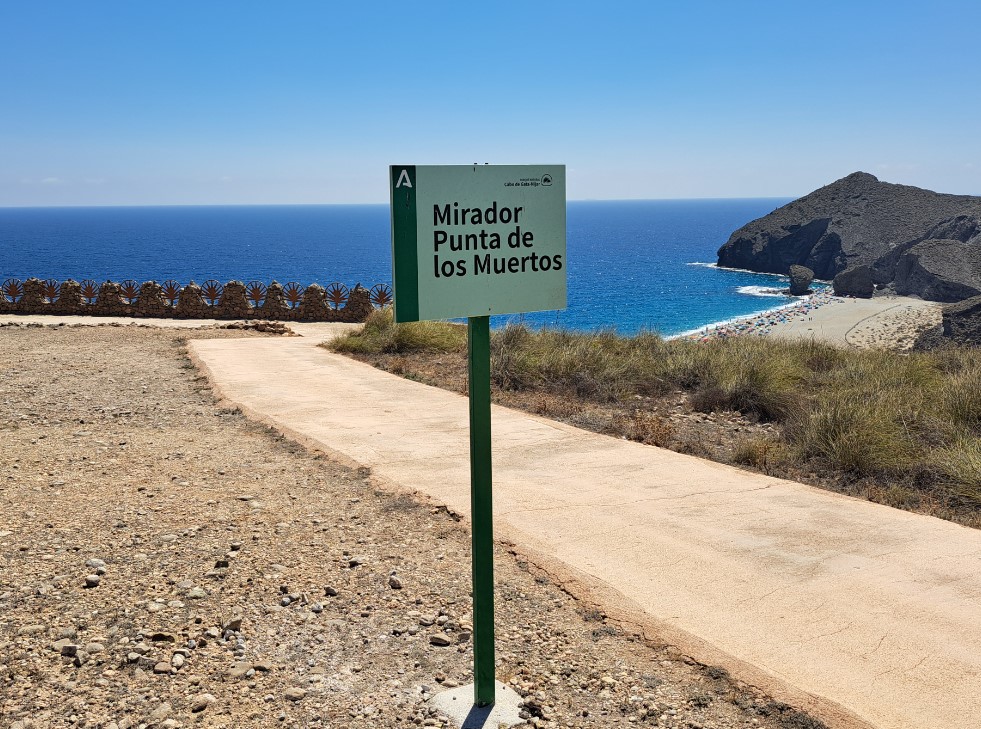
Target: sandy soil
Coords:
[[165, 562]]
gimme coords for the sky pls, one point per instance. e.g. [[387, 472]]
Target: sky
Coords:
[[219, 102]]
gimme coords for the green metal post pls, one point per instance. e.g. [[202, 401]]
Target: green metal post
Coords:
[[478, 339]]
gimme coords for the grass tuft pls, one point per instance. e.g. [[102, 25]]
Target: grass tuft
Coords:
[[381, 335]]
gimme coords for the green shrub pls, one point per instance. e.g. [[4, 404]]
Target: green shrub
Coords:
[[750, 375], [960, 464], [381, 335], [762, 452]]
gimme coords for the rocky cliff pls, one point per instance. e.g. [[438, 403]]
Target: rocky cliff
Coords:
[[927, 244]]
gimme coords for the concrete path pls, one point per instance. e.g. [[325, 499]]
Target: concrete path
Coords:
[[865, 615]]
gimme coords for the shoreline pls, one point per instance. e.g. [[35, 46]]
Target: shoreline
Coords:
[[759, 323], [886, 321]]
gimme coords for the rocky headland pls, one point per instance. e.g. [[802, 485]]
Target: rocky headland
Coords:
[[867, 235]]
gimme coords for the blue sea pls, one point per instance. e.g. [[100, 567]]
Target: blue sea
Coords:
[[632, 265]]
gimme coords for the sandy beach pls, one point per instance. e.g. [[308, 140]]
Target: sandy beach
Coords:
[[887, 322]]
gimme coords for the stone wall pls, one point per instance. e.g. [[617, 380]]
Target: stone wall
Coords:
[[210, 300]]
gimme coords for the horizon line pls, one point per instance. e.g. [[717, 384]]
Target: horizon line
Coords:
[[365, 204]]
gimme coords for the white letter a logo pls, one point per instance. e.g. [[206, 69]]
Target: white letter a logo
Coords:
[[403, 176]]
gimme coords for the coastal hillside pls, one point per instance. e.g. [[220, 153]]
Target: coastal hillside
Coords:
[[916, 241]]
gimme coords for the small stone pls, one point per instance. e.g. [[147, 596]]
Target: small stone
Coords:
[[316, 608], [294, 694], [94, 648], [161, 712], [234, 624], [238, 670], [163, 638], [177, 661], [394, 582], [81, 658], [92, 580], [64, 646], [264, 666], [31, 630], [439, 640], [162, 667], [96, 565], [356, 561], [330, 591], [197, 593], [202, 702]]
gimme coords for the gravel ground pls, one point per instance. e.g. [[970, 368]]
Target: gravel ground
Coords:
[[165, 562]]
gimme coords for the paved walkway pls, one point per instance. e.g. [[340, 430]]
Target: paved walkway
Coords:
[[864, 614]]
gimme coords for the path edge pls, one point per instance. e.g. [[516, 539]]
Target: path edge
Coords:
[[586, 589]]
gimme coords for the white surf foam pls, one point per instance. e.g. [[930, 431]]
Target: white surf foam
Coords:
[[760, 291]]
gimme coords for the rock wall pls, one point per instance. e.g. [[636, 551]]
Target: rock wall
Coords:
[[210, 300]]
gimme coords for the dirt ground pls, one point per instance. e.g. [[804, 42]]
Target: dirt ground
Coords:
[[164, 562]]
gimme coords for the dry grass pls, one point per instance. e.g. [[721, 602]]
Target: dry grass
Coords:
[[380, 334], [909, 422]]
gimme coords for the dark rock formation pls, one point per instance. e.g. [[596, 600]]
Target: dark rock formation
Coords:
[[945, 264], [962, 322], [855, 282], [927, 242], [800, 280]]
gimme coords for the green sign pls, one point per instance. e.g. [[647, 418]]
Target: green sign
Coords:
[[477, 240]]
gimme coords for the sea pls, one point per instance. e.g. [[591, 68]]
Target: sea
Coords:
[[632, 265]]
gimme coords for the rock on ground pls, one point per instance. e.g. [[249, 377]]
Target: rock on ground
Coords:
[[111, 442]]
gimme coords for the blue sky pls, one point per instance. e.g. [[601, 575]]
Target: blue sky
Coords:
[[113, 102]]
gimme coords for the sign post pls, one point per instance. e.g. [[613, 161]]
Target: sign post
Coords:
[[474, 241], [481, 508]]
